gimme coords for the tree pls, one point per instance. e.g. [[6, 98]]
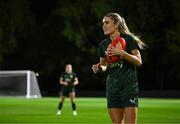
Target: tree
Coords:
[[15, 21]]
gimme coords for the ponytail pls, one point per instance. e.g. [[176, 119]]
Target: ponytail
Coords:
[[123, 29]]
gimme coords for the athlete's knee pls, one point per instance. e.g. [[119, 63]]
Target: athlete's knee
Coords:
[[72, 96], [131, 114], [62, 99], [117, 121]]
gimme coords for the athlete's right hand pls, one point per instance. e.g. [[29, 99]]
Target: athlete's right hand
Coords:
[[95, 67]]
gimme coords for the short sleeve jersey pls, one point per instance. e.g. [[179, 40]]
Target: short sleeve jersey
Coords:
[[68, 77], [122, 78]]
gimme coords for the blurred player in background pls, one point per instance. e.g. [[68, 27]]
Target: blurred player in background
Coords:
[[68, 80], [122, 83]]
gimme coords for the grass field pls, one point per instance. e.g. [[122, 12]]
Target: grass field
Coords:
[[90, 110]]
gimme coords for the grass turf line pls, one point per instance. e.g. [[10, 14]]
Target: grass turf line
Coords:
[[90, 110]]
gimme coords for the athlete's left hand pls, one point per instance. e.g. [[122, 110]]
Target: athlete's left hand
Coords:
[[117, 50]]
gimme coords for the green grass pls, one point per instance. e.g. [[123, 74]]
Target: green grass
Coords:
[[90, 110]]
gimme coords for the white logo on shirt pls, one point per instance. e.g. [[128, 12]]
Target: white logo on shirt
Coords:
[[133, 100]]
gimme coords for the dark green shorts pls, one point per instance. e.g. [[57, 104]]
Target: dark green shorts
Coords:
[[66, 90], [119, 102]]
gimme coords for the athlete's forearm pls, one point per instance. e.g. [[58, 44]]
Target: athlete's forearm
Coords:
[[103, 64], [134, 59], [102, 68], [63, 82], [75, 82], [98, 68]]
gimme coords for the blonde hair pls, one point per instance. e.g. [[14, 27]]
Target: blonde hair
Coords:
[[123, 29]]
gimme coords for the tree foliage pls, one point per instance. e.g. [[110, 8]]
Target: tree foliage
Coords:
[[70, 32]]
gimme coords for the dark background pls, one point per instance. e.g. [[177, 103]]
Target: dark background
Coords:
[[43, 36]]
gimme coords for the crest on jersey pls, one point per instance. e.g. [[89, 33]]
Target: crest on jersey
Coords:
[[71, 76]]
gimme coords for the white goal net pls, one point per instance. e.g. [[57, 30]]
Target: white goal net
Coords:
[[19, 83]]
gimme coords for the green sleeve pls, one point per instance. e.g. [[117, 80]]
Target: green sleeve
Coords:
[[131, 44], [74, 74], [102, 47], [100, 53], [62, 76]]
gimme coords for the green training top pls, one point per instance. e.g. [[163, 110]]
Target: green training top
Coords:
[[122, 78], [69, 78]]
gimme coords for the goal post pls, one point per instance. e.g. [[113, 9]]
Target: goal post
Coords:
[[19, 83]]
